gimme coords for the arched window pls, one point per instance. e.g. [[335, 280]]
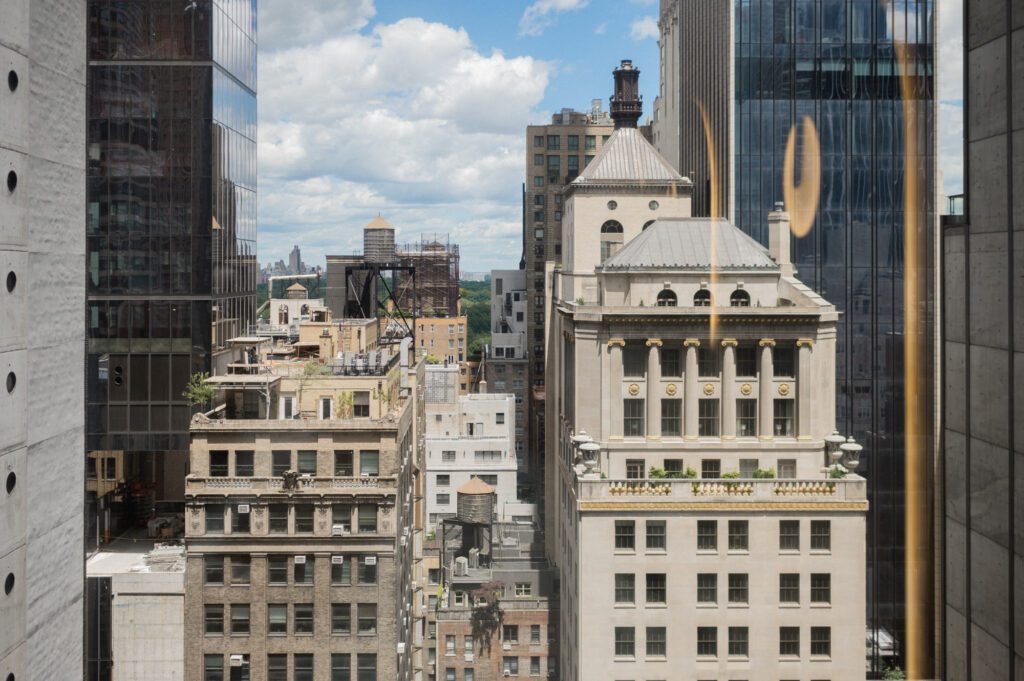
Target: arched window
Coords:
[[739, 298], [282, 314], [702, 298], [666, 298], [611, 239], [304, 310], [647, 224]]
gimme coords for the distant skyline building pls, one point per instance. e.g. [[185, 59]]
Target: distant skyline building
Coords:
[[295, 263], [170, 225], [42, 338], [758, 69]]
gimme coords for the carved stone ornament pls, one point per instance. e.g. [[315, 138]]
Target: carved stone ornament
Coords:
[[290, 480], [784, 389], [709, 388], [634, 389], [671, 389], [746, 389]]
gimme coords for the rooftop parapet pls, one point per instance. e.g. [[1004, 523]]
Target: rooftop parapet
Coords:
[[851, 489]]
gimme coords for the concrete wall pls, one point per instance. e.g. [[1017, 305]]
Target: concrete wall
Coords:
[[42, 261], [147, 622]]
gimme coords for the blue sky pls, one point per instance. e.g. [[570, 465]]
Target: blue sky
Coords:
[[417, 111]]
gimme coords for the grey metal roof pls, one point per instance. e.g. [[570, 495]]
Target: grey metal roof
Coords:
[[685, 243], [628, 156]]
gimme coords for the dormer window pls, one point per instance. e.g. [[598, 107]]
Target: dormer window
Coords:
[[702, 298], [739, 298], [667, 298]]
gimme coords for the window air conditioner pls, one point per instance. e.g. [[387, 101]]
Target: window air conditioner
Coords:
[[300, 560], [506, 673], [370, 560], [243, 508], [401, 647], [338, 530], [506, 646], [237, 660], [337, 560]]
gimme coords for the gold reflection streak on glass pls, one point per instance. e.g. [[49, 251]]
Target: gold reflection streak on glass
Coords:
[[802, 200], [713, 214], [918, 549]]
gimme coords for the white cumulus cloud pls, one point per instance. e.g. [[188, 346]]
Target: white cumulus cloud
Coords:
[[284, 23], [539, 15], [644, 28]]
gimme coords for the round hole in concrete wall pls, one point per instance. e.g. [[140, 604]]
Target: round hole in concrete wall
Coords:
[[12, 480], [12, 180], [12, 281], [9, 583], [12, 380], [12, 80]]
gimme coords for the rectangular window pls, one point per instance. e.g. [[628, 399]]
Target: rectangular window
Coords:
[[304, 518], [789, 641], [821, 588], [538, 140], [738, 587], [674, 467], [625, 535], [325, 408], [277, 619], [746, 361], [287, 407], [739, 642], [443, 499], [341, 518], [240, 569], [538, 160], [214, 518], [534, 633], [510, 665], [789, 535], [746, 418], [635, 469], [656, 588], [656, 535], [307, 462], [213, 667], [341, 667], [367, 619], [787, 469], [367, 518], [785, 418], [281, 461], [707, 588], [625, 642], [554, 142], [708, 362], [510, 633], [213, 569], [303, 667], [369, 463], [711, 468], [656, 642], [707, 642], [303, 618], [789, 588], [467, 645], [239, 519], [449, 644], [524, 589], [341, 570], [821, 641], [448, 455], [634, 360], [277, 667], [538, 181], [534, 666], [218, 464], [343, 463], [739, 535], [671, 363], [444, 480], [748, 467], [277, 569], [625, 588], [574, 142], [213, 619], [303, 569], [707, 535], [244, 466], [782, 362], [361, 404], [240, 618], [633, 417], [821, 535], [341, 619], [671, 417], [590, 142], [366, 667], [367, 569], [278, 518], [707, 417]]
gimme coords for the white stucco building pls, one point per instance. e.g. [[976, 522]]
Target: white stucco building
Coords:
[[690, 506], [468, 436]]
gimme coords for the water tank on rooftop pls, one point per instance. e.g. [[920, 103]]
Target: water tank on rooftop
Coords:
[[475, 502], [379, 241]]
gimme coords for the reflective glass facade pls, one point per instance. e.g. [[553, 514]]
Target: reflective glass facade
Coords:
[[835, 62], [171, 213]]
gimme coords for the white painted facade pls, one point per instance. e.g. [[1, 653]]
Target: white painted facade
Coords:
[[508, 314], [471, 437]]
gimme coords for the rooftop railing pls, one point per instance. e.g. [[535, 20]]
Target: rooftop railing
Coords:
[[273, 484], [851, 488]]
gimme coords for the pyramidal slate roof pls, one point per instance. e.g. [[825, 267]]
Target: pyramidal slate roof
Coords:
[[685, 243], [628, 156]]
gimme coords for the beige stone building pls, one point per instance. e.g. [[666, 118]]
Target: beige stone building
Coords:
[[697, 523], [301, 509]]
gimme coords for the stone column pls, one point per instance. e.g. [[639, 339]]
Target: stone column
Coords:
[[729, 388], [691, 386], [615, 346], [803, 388], [765, 380], [653, 389]]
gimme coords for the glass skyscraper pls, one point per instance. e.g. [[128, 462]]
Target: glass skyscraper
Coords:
[[834, 61], [170, 226]]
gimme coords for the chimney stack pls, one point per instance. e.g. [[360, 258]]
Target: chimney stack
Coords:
[[779, 239], [626, 102]]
